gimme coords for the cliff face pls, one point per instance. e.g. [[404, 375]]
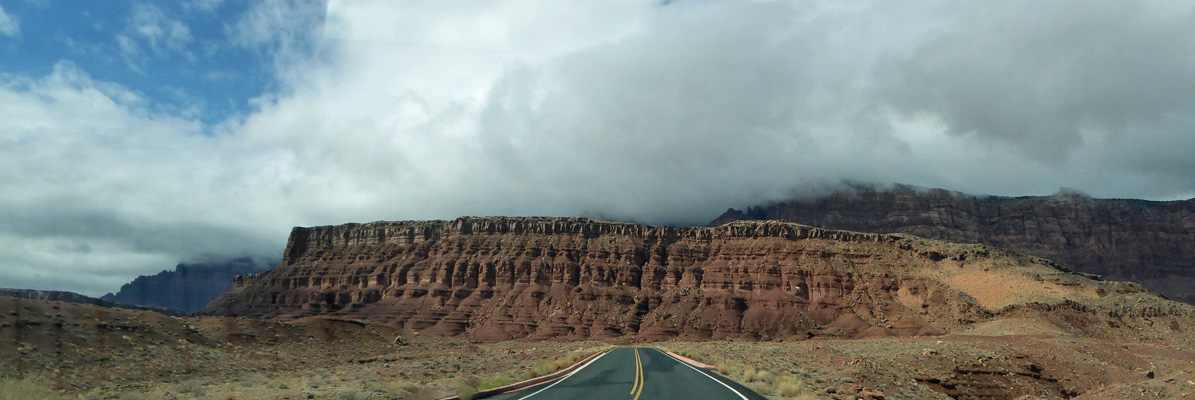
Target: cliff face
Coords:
[[1149, 242], [502, 278], [189, 287]]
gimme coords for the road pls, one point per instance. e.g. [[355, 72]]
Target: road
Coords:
[[636, 373]]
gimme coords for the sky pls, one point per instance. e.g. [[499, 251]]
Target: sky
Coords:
[[138, 134]]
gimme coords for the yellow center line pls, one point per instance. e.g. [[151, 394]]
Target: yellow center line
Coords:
[[639, 371], [636, 385]]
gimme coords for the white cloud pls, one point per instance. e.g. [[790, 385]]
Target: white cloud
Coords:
[[659, 113], [203, 5], [627, 110], [87, 165], [150, 28], [9, 25]]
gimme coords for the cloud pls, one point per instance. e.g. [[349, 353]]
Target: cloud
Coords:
[[152, 33], [99, 188], [203, 5], [1041, 81], [9, 25], [629, 110]]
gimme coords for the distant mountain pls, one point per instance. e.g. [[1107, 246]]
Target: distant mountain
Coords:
[[190, 286], [1149, 242], [72, 297]]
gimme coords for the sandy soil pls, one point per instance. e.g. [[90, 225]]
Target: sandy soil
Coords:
[[1046, 366], [97, 353]]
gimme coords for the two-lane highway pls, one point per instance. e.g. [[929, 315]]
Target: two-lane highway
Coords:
[[636, 374]]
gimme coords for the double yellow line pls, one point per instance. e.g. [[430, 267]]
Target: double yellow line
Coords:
[[637, 389]]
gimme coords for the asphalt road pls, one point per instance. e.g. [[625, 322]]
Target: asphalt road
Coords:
[[636, 373]]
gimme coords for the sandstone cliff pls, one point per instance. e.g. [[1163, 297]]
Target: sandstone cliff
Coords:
[[1149, 242], [502, 278], [189, 287]]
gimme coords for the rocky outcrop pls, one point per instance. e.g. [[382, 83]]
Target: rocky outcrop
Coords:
[[189, 287], [1149, 242], [502, 278]]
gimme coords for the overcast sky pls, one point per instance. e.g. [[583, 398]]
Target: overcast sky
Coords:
[[138, 134]]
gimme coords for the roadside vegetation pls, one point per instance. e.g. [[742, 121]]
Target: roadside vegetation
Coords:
[[468, 387], [773, 384], [545, 367], [28, 388]]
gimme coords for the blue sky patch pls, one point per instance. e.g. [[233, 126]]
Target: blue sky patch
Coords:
[[181, 56]]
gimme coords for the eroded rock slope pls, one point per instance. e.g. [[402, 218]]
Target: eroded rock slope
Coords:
[[502, 278], [1149, 242]]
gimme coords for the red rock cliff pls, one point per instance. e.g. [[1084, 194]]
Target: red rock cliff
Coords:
[[501, 278], [1149, 242]]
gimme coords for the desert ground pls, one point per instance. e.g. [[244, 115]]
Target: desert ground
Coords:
[[65, 350]]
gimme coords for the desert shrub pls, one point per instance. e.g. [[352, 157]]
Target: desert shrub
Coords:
[[497, 381], [316, 383], [14, 389], [127, 396], [471, 381], [734, 370], [423, 393], [466, 392], [764, 375], [192, 387], [748, 374], [791, 387], [351, 395], [541, 368], [788, 389]]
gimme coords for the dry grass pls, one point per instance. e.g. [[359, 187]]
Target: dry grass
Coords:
[[427, 368], [466, 392], [763, 381], [23, 389], [199, 358], [498, 381], [549, 366], [1048, 366]]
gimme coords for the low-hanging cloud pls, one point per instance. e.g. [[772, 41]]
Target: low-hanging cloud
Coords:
[[630, 110]]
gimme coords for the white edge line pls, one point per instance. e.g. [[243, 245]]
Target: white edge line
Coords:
[[571, 374], [741, 396]]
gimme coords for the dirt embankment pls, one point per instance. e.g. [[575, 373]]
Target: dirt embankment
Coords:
[[94, 352]]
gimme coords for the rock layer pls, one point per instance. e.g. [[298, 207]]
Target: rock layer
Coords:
[[1149, 242], [503, 278]]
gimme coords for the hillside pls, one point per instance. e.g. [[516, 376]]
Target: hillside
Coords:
[[1149, 242], [84, 351], [71, 297], [504, 278], [189, 287]]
